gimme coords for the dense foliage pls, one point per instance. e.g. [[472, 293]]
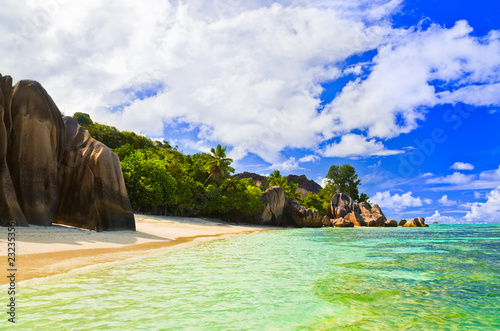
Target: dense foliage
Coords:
[[343, 179], [163, 181]]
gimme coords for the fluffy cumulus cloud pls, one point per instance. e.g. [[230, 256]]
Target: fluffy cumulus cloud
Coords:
[[437, 217], [352, 145], [247, 74], [455, 178], [446, 202], [462, 166], [398, 202], [487, 212], [493, 175]]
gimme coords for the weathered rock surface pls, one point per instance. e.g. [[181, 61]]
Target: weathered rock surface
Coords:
[[10, 210], [46, 177], [365, 208], [302, 216], [36, 145], [416, 222], [341, 202], [362, 214], [391, 223], [274, 204], [342, 223], [355, 219], [402, 222], [92, 190], [326, 221]]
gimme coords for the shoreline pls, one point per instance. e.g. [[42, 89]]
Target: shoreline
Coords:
[[48, 251]]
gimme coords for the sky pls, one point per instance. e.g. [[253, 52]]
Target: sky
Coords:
[[407, 92]]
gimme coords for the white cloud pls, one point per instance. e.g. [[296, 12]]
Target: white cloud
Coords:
[[488, 179], [462, 166], [437, 217], [292, 164], [455, 178], [427, 174], [247, 74], [352, 145], [490, 174], [396, 202], [309, 158], [446, 202], [488, 211], [477, 195], [399, 82], [427, 201], [287, 166]]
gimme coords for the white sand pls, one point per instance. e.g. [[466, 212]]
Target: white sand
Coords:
[[45, 251]]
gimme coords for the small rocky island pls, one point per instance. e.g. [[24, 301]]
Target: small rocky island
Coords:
[[53, 171], [345, 212]]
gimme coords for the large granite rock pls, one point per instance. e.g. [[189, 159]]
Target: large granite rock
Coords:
[[301, 215], [274, 204], [342, 203], [326, 221], [415, 222], [49, 173], [10, 210], [92, 189], [36, 144], [362, 214], [342, 223], [391, 223]]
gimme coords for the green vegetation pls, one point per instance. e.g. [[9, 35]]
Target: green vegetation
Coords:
[[343, 179], [275, 179], [162, 181]]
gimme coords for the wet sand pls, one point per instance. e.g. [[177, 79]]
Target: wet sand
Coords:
[[46, 251]]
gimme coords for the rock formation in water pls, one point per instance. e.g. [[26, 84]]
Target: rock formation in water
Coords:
[[53, 171], [343, 208], [391, 223], [301, 215], [415, 223]]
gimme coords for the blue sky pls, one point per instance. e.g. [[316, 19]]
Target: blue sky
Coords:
[[408, 92]]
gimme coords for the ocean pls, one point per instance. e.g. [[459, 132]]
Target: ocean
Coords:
[[444, 277]]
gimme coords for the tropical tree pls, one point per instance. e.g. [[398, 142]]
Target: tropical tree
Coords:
[[219, 165], [275, 179], [343, 179]]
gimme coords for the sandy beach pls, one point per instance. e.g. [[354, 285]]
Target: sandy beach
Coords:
[[46, 251]]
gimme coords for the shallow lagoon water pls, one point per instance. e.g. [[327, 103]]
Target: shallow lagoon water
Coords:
[[445, 277]]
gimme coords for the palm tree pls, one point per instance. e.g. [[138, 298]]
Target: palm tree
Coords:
[[219, 164], [290, 189]]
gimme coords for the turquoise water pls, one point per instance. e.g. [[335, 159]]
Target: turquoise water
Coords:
[[445, 277]]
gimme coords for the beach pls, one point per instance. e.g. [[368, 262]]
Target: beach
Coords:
[[45, 251]]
